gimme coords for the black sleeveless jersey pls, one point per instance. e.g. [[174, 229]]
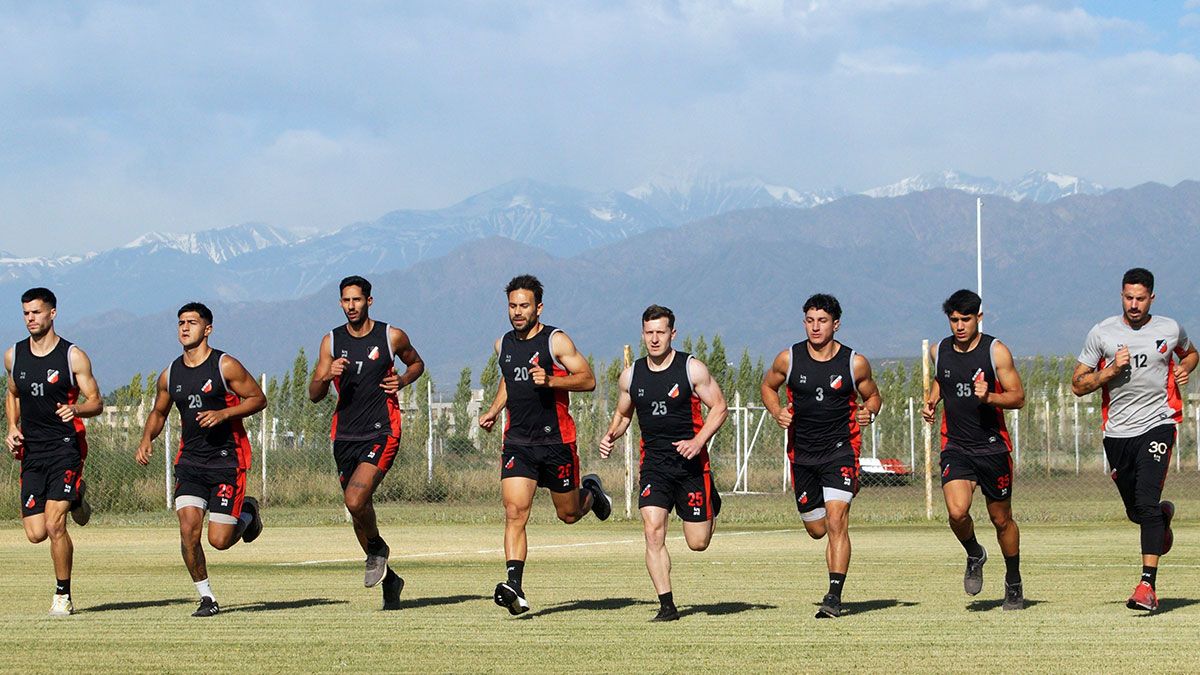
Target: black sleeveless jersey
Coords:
[[44, 383], [823, 399], [536, 415], [364, 410], [194, 390], [667, 411], [967, 424]]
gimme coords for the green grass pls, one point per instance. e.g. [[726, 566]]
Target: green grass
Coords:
[[748, 601]]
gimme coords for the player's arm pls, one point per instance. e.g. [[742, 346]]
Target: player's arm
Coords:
[[403, 349], [929, 407], [1087, 377], [325, 371], [240, 382], [488, 419], [12, 409], [773, 379], [93, 403], [623, 416], [709, 393], [1186, 351], [1013, 395], [867, 390], [579, 373], [155, 420]]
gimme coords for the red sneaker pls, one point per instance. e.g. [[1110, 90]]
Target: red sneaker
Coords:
[[1168, 511], [1143, 598]]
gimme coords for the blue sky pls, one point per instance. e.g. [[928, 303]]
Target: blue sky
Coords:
[[126, 117]]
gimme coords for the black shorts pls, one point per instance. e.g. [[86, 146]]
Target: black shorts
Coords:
[[218, 491], [553, 466], [692, 494], [1140, 465], [379, 452], [47, 476], [992, 473], [835, 480]]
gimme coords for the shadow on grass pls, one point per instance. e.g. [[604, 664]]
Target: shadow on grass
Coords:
[[418, 603], [136, 604], [588, 605], [722, 608], [1164, 605], [283, 605], [864, 606], [988, 605]]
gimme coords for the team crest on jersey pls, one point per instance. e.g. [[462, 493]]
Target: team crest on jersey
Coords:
[[374, 353], [52, 376], [207, 387], [803, 499], [511, 462], [646, 491], [674, 393], [835, 381], [978, 376], [533, 360], [1161, 345], [31, 502]]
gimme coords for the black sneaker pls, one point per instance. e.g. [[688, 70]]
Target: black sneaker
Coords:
[[601, 502], [973, 577], [392, 585], [1014, 597], [1168, 512], [831, 607], [666, 614], [511, 598], [376, 567], [81, 510], [208, 607], [256, 525]]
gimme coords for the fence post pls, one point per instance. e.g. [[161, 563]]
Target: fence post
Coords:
[[1017, 440], [167, 459], [912, 436], [262, 441], [1198, 438], [627, 360], [429, 440], [737, 442], [1047, 435], [1076, 430], [927, 431]]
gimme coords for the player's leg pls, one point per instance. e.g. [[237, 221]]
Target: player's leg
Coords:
[[232, 513], [959, 478], [697, 503], [658, 559], [517, 494], [558, 470], [1152, 461], [35, 527], [995, 482], [839, 484], [190, 510], [62, 552], [358, 498], [33, 500], [806, 485]]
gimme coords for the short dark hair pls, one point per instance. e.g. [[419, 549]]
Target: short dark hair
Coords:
[[659, 312], [355, 280], [525, 282], [1140, 276], [825, 302], [44, 294], [199, 308], [963, 301]]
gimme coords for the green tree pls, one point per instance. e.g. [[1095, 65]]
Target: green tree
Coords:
[[489, 378], [718, 365]]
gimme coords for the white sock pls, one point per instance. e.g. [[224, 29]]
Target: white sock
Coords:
[[205, 590]]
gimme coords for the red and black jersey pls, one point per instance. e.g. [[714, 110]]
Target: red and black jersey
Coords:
[[536, 415], [364, 410], [823, 398], [971, 426], [43, 383], [194, 389], [667, 411]]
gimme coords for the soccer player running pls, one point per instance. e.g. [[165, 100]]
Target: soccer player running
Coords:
[[976, 379], [540, 366], [1140, 362], [46, 377], [359, 359], [213, 393], [825, 381], [665, 389]]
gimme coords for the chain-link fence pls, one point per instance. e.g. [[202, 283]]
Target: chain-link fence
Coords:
[[444, 457]]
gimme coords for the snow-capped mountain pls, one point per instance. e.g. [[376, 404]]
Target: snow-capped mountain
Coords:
[[217, 245], [685, 197], [1035, 186]]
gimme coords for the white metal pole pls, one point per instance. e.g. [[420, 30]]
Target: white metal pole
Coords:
[[1076, 437], [979, 246], [1017, 439], [167, 459], [927, 432], [787, 469], [912, 436], [429, 440], [262, 441], [1198, 438], [737, 441], [627, 361]]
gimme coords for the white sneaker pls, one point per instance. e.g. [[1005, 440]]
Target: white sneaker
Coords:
[[62, 606]]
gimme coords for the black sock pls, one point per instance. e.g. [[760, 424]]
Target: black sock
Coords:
[[376, 545], [390, 576], [1012, 569], [63, 587], [973, 548], [516, 570], [836, 582], [1149, 575], [666, 600]]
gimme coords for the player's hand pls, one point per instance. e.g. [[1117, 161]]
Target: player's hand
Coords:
[[211, 418], [981, 390], [928, 410], [539, 376], [144, 451], [862, 416], [390, 384], [689, 448], [1121, 361], [15, 442], [338, 367], [1181, 375], [65, 412], [606, 445], [487, 420], [783, 418]]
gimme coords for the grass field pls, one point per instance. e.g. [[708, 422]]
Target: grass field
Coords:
[[748, 602]]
